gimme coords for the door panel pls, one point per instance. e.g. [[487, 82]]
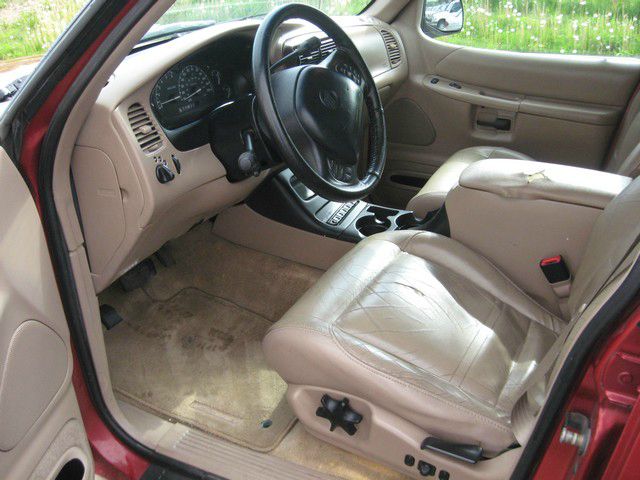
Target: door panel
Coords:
[[41, 429], [559, 109]]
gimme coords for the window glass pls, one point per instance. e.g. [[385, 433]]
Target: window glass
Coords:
[[227, 10], [595, 27]]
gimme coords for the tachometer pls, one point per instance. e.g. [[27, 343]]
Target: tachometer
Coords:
[[196, 89]]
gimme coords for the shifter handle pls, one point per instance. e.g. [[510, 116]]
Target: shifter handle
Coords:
[[247, 160]]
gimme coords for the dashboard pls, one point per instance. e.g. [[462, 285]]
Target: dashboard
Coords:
[[160, 149], [202, 82]]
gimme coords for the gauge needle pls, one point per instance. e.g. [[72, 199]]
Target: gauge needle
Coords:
[[194, 93], [170, 100]]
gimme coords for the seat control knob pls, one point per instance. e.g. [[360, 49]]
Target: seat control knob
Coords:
[[426, 469], [164, 173], [339, 413]]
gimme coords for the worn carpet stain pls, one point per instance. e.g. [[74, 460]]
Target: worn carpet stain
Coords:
[[197, 359]]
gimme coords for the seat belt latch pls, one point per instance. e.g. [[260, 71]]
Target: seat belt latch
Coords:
[[555, 269]]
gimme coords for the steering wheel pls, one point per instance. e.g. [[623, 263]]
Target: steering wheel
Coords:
[[314, 114]]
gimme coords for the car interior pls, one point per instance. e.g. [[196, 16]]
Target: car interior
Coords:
[[337, 247]]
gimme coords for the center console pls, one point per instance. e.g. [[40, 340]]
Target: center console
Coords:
[[287, 200]]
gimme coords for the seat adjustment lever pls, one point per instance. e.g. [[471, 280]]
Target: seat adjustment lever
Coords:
[[339, 413], [460, 451]]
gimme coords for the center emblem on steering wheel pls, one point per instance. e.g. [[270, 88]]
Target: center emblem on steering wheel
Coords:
[[329, 99]]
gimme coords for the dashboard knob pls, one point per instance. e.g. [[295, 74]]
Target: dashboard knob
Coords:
[[164, 173]]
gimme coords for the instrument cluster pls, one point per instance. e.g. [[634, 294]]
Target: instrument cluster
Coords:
[[199, 84]]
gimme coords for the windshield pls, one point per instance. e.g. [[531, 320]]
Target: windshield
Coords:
[[186, 15]]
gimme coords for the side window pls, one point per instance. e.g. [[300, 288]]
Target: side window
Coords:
[[587, 27]]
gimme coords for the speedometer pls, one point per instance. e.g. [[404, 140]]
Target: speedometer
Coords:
[[182, 95], [196, 89]]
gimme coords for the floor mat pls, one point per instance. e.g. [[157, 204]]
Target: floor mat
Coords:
[[262, 283], [197, 359]]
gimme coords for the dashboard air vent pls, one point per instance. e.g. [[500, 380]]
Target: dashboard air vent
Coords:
[[327, 45], [393, 48], [144, 129]]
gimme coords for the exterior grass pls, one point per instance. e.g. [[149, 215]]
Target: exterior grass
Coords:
[[35, 29], [594, 27]]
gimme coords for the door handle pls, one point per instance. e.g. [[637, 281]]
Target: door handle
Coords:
[[497, 123]]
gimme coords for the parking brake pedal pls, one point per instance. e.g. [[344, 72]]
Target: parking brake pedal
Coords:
[[339, 413]]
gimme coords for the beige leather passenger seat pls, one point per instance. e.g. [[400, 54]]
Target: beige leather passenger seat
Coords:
[[623, 159]]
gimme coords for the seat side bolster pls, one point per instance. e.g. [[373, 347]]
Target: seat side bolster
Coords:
[[433, 194], [458, 258]]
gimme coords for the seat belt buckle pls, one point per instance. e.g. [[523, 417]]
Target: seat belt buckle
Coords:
[[555, 269]]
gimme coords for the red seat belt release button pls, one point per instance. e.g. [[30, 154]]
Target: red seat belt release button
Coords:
[[555, 269]]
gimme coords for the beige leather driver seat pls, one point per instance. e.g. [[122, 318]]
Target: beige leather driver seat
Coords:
[[427, 338], [623, 159]]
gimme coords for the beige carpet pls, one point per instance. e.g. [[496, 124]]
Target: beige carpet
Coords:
[[189, 346], [262, 283]]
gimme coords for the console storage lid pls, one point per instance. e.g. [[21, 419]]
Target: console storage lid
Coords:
[[525, 179]]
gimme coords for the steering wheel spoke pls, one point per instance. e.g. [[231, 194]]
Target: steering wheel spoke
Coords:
[[314, 115], [341, 61]]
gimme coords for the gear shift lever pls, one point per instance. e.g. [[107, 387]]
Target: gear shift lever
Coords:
[[247, 160]]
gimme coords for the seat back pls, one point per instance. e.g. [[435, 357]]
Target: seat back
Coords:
[[614, 235], [624, 158], [610, 251]]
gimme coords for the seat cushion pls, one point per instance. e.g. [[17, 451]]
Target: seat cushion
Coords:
[[421, 326], [432, 195]]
